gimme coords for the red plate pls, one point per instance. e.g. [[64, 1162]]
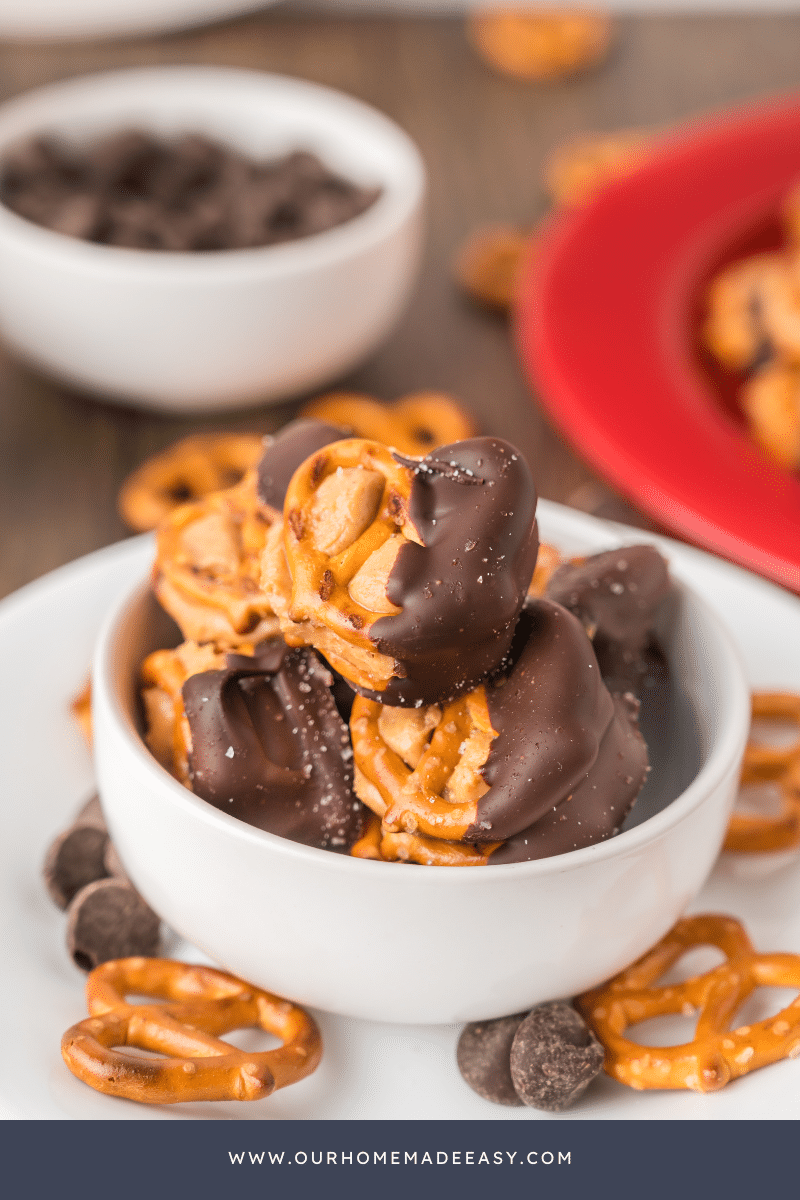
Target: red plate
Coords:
[[607, 327]]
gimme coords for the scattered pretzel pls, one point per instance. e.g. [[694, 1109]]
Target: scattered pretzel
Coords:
[[81, 709], [414, 425], [757, 834], [419, 769], [579, 167], [186, 471], [207, 573], [488, 264], [196, 1064], [540, 47], [717, 1054]]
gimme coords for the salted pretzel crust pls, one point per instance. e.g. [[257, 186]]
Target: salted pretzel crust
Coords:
[[207, 573], [757, 833], [717, 1054], [186, 471], [201, 1004], [414, 424], [322, 610], [408, 799], [540, 46]]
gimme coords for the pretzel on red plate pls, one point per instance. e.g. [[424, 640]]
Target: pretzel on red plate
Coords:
[[198, 1005], [751, 833], [717, 1054], [186, 471], [414, 424]]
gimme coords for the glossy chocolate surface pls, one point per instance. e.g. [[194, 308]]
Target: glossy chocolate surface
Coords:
[[473, 504], [616, 595], [560, 734], [296, 442], [269, 747]]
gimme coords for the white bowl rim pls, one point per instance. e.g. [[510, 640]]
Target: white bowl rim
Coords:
[[722, 757], [392, 208]]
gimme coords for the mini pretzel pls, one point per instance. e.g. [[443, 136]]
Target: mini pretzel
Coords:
[[163, 674], [488, 264], [81, 709], [580, 167], [189, 470], [413, 425], [438, 795], [717, 1054], [540, 47], [207, 573], [193, 1063], [771, 402], [416, 848], [548, 560], [735, 330], [756, 834]]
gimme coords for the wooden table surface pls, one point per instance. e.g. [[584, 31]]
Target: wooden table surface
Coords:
[[63, 456]]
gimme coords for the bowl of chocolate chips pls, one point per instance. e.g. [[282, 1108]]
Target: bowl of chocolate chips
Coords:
[[200, 238], [413, 754]]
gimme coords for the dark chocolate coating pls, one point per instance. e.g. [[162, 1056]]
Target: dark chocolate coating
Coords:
[[269, 747], [483, 1055], [551, 710], [599, 804], [554, 1057], [109, 919], [616, 595], [76, 857], [296, 442], [473, 504]]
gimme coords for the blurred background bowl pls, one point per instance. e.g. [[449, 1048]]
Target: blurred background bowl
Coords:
[[203, 331], [45, 20]]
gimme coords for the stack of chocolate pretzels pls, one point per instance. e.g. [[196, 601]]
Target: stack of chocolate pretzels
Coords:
[[343, 582]]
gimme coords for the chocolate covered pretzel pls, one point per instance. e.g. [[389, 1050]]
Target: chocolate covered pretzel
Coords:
[[407, 574]]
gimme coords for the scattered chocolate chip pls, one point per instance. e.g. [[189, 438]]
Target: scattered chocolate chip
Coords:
[[109, 919], [76, 857], [483, 1055], [554, 1057]]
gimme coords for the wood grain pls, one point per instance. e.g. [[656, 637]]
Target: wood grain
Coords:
[[63, 456]]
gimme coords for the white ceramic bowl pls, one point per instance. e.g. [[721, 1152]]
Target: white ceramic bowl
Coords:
[[46, 19], [207, 331], [431, 944]]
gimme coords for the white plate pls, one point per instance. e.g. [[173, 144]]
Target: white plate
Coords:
[[368, 1070], [47, 19]]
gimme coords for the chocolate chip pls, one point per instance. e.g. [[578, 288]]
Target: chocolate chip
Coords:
[[76, 857], [109, 919], [137, 191], [554, 1057], [483, 1054]]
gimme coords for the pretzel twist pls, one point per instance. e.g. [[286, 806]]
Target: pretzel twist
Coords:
[[207, 573], [190, 469], [717, 1054], [416, 848], [195, 1064], [758, 833], [412, 800], [415, 424]]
